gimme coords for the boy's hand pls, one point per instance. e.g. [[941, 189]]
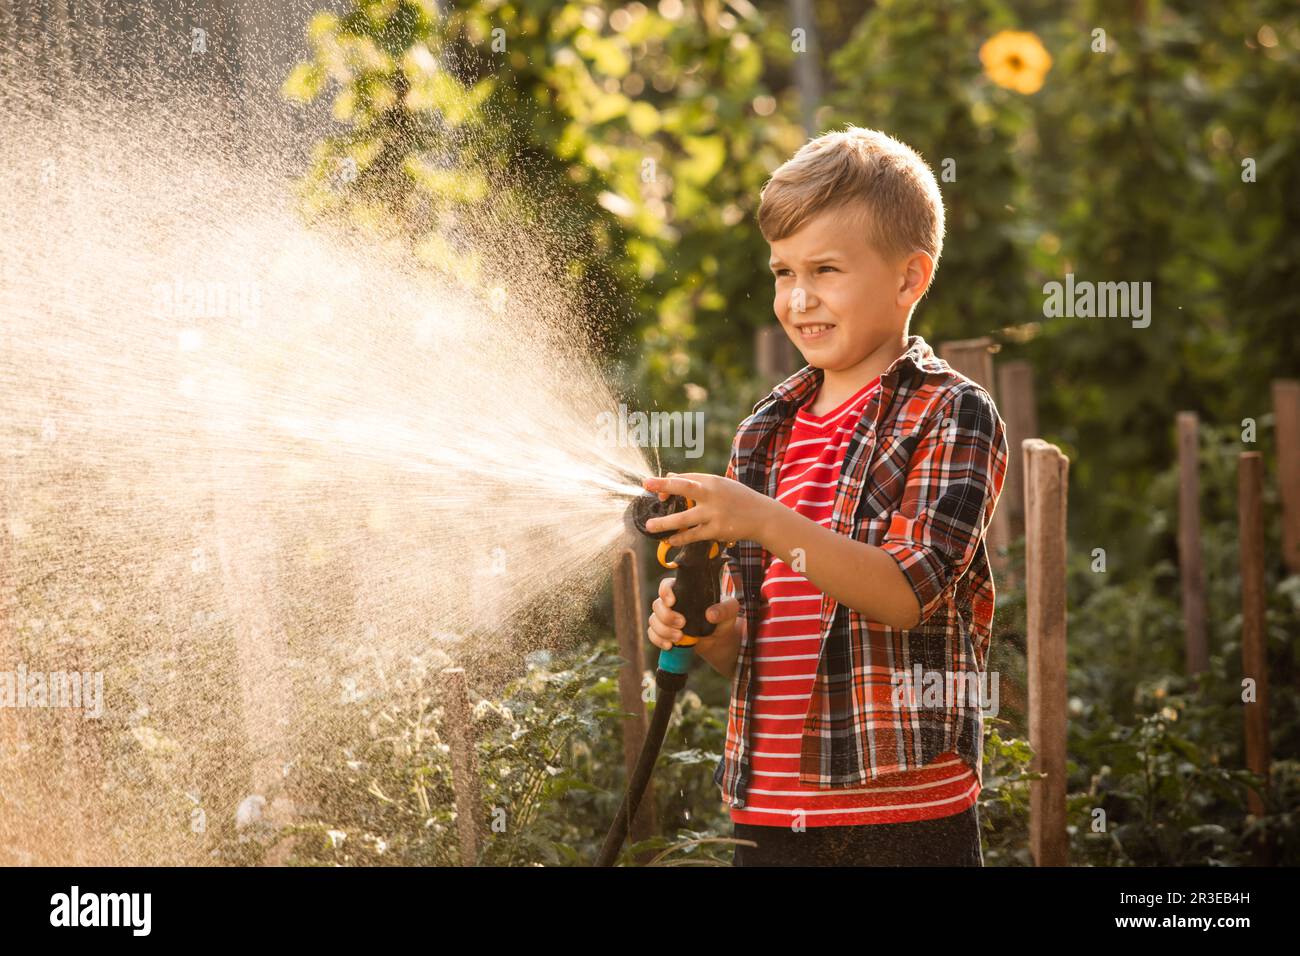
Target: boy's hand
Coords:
[[725, 510], [666, 624]]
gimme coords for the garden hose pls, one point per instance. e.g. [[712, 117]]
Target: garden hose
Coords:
[[695, 590]]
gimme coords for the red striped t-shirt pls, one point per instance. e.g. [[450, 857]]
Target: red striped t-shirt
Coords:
[[785, 666]]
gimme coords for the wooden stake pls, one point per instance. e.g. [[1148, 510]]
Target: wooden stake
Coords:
[[807, 68], [1254, 660], [774, 354], [1190, 564], [630, 626], [972, 357], [464, 767], [1286, 425], [1046, 490], [1019, 409]]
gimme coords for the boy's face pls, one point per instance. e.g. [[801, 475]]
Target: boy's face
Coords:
[[854, 300]]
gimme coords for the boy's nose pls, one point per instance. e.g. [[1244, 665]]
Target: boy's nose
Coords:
[[802, 299]]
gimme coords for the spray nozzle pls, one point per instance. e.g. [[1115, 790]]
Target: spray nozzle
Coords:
[[648, 506]]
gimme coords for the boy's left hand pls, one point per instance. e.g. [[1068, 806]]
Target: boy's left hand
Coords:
[[725, 510]]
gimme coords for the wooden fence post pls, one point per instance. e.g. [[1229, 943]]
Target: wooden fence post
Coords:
[[1254, 659], [974, 359], [774, 354], [807, 71], [630, 627], [1190, 564], [1046, 490], [464, 766], [1286, 425], [1019, 408]]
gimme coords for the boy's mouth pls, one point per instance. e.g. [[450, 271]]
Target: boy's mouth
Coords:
[[811, 331]]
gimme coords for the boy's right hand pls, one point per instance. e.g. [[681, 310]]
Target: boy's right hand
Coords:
[[666, 624]]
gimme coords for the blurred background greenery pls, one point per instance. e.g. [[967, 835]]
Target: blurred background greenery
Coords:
[[636, 137]]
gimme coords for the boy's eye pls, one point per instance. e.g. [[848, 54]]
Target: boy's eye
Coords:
[[784, 272]]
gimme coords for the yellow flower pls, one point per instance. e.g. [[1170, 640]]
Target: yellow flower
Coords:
[[1017, 60]]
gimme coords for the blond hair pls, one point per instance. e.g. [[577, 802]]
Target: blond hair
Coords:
[[864, 168]]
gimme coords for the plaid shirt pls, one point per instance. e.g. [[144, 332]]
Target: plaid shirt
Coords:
[[920, 481]]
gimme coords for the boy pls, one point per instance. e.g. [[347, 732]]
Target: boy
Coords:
[[858, 494]]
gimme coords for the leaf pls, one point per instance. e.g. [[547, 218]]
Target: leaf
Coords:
[[321, 26], [643, 119], [607, 106], [304, 82], [707, 156], [345, 105], [467, 186]]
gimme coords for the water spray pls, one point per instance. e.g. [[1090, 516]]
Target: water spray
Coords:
[[696, 589], [257, 464]]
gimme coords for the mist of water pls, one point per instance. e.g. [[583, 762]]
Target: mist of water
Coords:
[[246, 460]]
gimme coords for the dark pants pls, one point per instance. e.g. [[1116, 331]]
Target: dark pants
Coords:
[[948, 841]]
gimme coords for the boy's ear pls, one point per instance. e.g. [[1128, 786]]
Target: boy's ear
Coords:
[[917, 269]]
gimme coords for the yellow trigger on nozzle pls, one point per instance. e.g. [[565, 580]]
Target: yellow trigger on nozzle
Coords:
[[714, 551]]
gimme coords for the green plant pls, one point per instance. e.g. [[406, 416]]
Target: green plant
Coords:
[[1004, 798]]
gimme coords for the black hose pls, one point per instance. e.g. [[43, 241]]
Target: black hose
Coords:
[[669, 684]]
